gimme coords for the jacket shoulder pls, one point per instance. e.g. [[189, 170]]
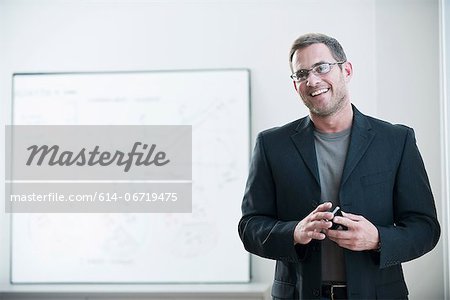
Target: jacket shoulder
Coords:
[[284, 130], [387, 127]]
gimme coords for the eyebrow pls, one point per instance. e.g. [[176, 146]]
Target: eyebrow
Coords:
[[314, 65]]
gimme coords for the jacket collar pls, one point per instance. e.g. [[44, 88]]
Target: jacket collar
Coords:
[[360, 139]]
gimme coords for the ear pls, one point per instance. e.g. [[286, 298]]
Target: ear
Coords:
[[348, 71], [295, 85]]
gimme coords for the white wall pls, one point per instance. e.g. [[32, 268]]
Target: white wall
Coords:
[[393, 46], [407, 55], [445, 134]]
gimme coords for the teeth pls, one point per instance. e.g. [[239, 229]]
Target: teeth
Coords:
[[318, 92]]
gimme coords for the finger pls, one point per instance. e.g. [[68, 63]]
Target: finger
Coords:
[[352, 216], [322, 216], [323, 207], [322, 212], [319, 225], [316, 235], [323, 225], [345, 222]]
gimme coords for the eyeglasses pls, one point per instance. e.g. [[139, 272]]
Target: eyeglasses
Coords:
[[320, 69]]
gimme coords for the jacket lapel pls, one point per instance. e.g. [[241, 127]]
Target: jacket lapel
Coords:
[[304, 142], [360, 139]]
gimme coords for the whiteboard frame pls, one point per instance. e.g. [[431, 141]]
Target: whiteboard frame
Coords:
[[249, 134]]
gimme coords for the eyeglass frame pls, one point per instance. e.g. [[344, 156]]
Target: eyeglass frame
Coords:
[[294, 75]]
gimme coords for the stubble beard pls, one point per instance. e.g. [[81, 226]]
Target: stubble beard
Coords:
[[328, 110], [336, 103]]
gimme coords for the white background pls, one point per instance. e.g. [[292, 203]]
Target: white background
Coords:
[[393, 45]]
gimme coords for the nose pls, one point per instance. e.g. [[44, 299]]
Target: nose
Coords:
[[312, 79]]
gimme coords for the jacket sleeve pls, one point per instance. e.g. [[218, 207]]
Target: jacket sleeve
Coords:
[[261, 232], [416, 229]]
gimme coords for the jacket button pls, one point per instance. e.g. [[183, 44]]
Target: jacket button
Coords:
[[316, 292]]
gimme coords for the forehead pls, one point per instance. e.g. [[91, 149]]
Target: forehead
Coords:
[[306, 57]]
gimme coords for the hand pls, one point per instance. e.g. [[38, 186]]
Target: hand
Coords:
[[361, 234], [313, 225]]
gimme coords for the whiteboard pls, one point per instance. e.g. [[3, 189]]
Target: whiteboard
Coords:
[[202, 246]]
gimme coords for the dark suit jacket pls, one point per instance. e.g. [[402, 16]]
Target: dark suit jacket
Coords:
[[384, 180]]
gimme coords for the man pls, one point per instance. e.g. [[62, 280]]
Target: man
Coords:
[[336, 156]]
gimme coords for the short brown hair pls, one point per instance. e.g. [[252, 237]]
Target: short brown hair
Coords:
[[318, 38]]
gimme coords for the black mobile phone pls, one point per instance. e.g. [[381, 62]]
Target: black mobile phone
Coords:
[[337, 212]]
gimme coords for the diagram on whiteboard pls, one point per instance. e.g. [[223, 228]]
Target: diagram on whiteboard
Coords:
[[143, 248]]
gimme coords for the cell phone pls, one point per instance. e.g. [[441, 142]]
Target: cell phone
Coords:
[[337, 212]]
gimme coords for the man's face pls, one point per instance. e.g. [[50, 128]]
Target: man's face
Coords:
[[323, 94]]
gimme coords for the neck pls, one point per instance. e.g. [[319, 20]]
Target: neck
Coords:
[[336, 122]]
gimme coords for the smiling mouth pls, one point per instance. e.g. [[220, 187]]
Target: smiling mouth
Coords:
[[319, 92]]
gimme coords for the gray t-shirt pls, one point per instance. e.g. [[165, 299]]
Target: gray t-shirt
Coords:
[[331, 151]]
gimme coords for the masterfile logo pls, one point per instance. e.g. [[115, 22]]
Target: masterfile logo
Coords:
[[99, 152], [98, 168], [84, 157]]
